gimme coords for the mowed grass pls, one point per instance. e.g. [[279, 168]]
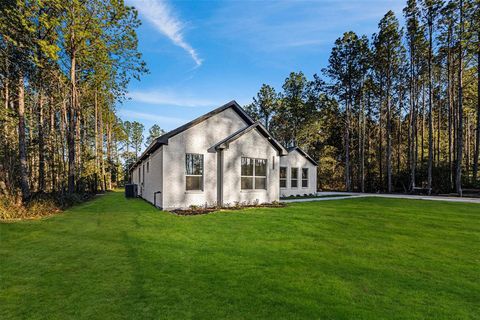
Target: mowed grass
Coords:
[[366, 258]]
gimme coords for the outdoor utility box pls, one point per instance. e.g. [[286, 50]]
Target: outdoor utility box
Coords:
[[131, 190]]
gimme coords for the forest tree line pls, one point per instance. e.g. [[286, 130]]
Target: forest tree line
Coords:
[[64, 66], [396, 111], [393, 111]]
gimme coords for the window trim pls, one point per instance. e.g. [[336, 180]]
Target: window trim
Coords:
[[283, 179], [292, 178], [307, 179], [202, 188], [254, 176]]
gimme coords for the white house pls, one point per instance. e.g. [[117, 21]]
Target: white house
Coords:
[[298, 173], [220, 158]]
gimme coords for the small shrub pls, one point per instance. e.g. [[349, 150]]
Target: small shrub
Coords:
[[12, 210]]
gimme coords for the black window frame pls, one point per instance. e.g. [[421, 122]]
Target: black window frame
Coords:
[[294, 178], [283, 179], [305, 179], [187, 174], [254, 175]]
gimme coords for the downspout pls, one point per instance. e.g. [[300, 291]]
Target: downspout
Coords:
[[155, 198]]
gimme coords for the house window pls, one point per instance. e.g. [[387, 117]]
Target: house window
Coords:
[[294, 178], [283, 177], [148, 166], [254, 173], [304, 177], [143, 173], [194, 171]]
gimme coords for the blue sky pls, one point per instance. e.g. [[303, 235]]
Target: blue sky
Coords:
[[202, 54]]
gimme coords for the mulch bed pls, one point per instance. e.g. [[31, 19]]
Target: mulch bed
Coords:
[[199, 211]]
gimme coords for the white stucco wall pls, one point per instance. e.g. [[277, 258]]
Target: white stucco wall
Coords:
[[167, 165], [251, 145], [197, 139], [153, 178], [134, 176], [296, 160]]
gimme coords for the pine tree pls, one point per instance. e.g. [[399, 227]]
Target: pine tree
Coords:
[[137, 137], [388, 51], [154, 132], [346, 72], [431, 10]]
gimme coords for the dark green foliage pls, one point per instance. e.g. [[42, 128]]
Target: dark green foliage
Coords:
[[394, 113], [64, 65], [154, 132]]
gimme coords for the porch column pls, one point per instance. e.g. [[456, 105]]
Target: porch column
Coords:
[[220, 177]]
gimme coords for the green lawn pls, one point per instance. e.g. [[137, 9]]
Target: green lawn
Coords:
[[366, 258]]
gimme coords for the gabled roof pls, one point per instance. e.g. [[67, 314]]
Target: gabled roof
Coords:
[[260, 128], [163, 139], [303, 153]]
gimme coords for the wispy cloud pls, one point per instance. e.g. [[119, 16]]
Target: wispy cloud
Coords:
[[275, 26], [161, 15], [167, 97], [172, 121]]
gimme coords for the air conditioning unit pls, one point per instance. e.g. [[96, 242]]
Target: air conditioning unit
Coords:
[[131, 190]]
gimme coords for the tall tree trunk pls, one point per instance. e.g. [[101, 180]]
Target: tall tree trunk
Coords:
[[41, 145], [422, 137], [96, 141], [389, 142], [117, 162], [53, 146], [362, 148], [64, 136], [380, 150], [413, 132], [25, 188], [477, 139], [347, 149], [467, 146], [389, 128], [100, 153], [458, 175], [72, 125], [450, 109], [380, 139], [109, 156], [399, 136], [4, 134], [79, 136], [430, 106], [32, 157], [439, 130]]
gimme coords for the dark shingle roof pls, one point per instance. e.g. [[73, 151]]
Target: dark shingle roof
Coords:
[[257, 125], [163, 139]]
